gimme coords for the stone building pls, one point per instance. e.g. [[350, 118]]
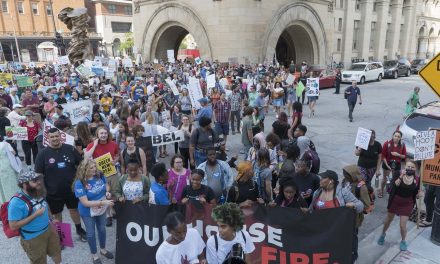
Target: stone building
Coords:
[[317, 31]]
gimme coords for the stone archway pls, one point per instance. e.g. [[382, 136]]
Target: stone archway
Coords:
[[297, 18], [166, 28]]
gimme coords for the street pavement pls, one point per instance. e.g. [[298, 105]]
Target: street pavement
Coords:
[[382, 109]]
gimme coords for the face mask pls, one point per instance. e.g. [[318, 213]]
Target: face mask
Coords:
[[410, 172]]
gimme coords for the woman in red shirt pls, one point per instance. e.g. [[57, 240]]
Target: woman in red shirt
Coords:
[[30, 146], [393, 153]]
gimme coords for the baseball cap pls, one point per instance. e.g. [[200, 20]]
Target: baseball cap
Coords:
[[28, 113], [17, 106], [27, 177], [203, 100], [329, 174]]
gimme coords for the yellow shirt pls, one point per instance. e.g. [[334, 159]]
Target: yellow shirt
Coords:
[[106, 103]]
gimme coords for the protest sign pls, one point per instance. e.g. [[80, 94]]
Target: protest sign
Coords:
[[98, 71], [363, 138], [112, 65], [210, 81], [290, 79], [312, 87], [16, 133], [97, 62], [104, 164], [5, 78], [88, 64], [65, 138], [424, 145], [84, 71], [167, 138], [3, 66], [24, 81], [173, 86], [127, 63], [431, 167], [300, 89], [63, 60], [109, 74], [280, 235], [77, 111], [198, 61], [64, 231], [31, 64], [195, 92], [155, 61]]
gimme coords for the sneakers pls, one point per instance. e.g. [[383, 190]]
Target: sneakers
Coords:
[[82, 234], [381, 240], [403, 246]]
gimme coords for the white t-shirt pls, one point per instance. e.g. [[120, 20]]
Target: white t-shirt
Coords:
[[214, 256], [185, 252]]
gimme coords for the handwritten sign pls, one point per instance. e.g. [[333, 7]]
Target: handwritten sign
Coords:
[[424, 145], [24, 81], [16, 133], [65, 138], [78, 110], [195, 92], [312, 87], [363, 138], [5, 78], [105, 164], [63, 60], [173, 87], [210, 81], [127, 63], [430, 167], [64, 231], [84, 71], [168, 138]]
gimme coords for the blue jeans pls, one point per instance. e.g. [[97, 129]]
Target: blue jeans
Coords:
[[199, 157], [90, 223]]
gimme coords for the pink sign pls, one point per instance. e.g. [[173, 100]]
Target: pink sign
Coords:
[[65, 233]]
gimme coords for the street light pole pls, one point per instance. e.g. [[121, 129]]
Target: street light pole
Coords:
[[54, 26], [16, 41]]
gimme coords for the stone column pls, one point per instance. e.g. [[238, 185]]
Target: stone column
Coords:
[[347, 40], [396, 20], [413, 31], [365, 29], [381, 29]]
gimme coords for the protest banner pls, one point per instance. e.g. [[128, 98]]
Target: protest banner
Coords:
[[167, 138], [280, 235], [195, 92], [312, 87], [431, 167], [127, 63], [290, 79], [24, 81], [173, 86], [63, 60], [104, 164], [77, 111], [65, 138], [84, 71], [64, 231], [5, 78], [363, 138], [424, 145], [16, 133], [210, 80], [98, 71]]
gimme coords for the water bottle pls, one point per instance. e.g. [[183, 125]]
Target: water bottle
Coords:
[[376, 182]]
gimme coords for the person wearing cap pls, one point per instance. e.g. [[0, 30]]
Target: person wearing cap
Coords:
[[15, 116], [30, 145], [37, 236], [14, 96], [5, 97], [205, 111]]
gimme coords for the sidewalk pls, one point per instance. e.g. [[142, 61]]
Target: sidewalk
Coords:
[[420, 248]]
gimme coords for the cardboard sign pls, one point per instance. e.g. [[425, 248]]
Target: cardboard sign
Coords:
[[63, 60], [431, 167], [64, 231], [5, 78], [195, 92], [78, 110], [127, 63], [312, 87], [24, 81], [210, 81], [16, 133], [65, 138], [424, 145], [105, 164], [168, 138], [363, 138], [84, 71]]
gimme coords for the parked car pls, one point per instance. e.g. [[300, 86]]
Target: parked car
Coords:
[[427, 116], [326, 78], [363, 72], [417, 65], [396, 68]]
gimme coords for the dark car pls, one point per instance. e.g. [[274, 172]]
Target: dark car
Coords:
[[417, 65], [396, 68]]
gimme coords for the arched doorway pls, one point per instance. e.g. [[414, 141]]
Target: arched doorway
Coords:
[[168, 39], [295, 44]]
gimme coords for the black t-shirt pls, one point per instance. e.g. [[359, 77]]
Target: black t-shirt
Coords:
[[59, 168], [368, 158], [280, 129], [192, 194], [307, 184], [246, 191]]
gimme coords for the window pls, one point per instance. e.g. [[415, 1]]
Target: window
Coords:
[[355, 34], [375, 6], [341, 4], [340, 24], [20, 7], [357, 5], [387, 36], [5, 6], [48, 10], [338, 45], [120, 27], [128, 11], [34, 8], [372, 35], [111, 9]]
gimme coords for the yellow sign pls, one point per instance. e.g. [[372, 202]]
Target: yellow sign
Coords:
[[431, 74], [105, 164], [4, 78]]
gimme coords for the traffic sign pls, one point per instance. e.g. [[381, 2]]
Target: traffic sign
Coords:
[[431, 74]]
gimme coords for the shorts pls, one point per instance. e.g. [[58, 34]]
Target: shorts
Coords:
[[46, 244], [313, 98], [56, 204], [222, 128], [397, 165]]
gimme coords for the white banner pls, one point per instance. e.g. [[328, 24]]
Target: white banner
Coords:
[[127, 63], [65, 138], [290, 79], [63, 60], [210, 81], [170, 54], [78, 110], [173, 86], [16, 133], [363, 138], [195, 92], [112, 65], [97, 62], [424, 145], [168, 138]]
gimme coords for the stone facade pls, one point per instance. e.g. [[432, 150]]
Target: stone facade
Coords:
[[318, 31]]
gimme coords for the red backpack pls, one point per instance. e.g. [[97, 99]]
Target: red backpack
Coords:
[[4, 215]]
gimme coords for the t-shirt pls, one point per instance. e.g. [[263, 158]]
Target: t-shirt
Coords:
[[262, 175], [59, 168], [176, 183], [203, 139], [204, 191], [389, 147], [214, 256], [102, 149], [18, 210], [352, 97], [186, 251], [307, 184], [247, 125], [280, 129], [368, 158], [106, 103], [94, 190], [158, 194]]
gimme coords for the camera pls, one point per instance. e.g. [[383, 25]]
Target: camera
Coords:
[[235, 256]]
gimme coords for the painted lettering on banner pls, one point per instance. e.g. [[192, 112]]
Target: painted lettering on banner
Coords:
[[168, 138], [424, 145], [16, 133], [65, 138]]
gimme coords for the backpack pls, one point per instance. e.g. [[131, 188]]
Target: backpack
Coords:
[[371, 195], [4, 215], [230, 255], [312, 156]]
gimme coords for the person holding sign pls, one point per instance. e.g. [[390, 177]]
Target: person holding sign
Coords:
[[30, 145], [369, 159]]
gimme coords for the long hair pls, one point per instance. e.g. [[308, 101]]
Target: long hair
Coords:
[[263, 157], [133, 112], [83, 133], [109, 135], [81, 172]]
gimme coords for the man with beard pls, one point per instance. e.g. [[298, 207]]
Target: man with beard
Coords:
[[37, 237], [218, 175], [58, 163], [306, 181]]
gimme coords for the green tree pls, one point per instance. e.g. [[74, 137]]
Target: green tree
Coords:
[[127, 44]]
